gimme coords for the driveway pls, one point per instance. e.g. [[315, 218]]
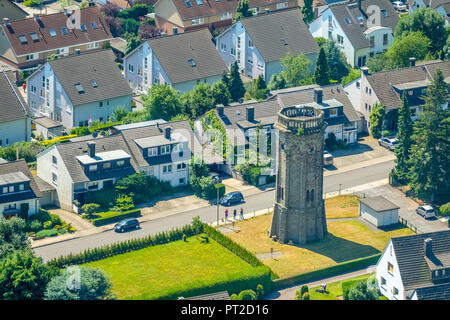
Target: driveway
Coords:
[[407, 209]]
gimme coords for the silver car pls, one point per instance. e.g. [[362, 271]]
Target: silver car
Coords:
[[426, 211], [388, 142], [327, 159], [399, 6]]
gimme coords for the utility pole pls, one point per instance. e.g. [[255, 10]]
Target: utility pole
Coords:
[[217, 206]]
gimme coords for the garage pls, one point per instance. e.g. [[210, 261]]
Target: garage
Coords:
[[379, 211]]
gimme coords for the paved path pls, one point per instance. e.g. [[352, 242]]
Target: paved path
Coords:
[[153, 224], [289, 293], [74, 219]]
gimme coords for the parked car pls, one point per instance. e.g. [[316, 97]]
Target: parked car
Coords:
[[426, 211], [327, 158], [126, 224], [399, 6], [216, 177], [388, 142], [230, 198]]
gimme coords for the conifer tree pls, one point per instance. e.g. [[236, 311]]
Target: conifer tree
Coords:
[[322, 73]]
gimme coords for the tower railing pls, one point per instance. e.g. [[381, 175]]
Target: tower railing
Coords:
[[309, 119]]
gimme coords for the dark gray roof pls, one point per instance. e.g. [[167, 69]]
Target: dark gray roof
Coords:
[[438, 292], [410, 254], [47, 122], [70, 150], [43, 186], [98, 66], [266, 112], [174, 53], [12, 105], [379, 203], [152, 130], [22, 167], [278, 33], [223, 295], [355, 29], [383, 82], [11, 11]]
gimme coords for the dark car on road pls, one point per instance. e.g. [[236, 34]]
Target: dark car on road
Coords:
[[232, 197], [126, 224]]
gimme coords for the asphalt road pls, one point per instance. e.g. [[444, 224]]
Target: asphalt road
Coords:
[[208, 214]]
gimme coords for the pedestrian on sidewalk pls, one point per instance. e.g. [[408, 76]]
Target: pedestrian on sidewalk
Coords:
[[234, 214], [242, 214], [226, 214]]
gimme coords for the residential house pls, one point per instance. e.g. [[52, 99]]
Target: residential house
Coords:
[[361, 28], [10, 10], [416, 267], [387, 88], [441, 6], [181, 60], [161, 149], [78, 89], [27, 43], [19, 193], [47, 128], [76, 168], [259, 43], [15, 116], [217, 13]]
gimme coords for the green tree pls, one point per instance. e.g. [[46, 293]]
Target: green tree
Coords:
[[199, 100], [429, 174], [242, 11], [90, 208], [322, 74], [296, 70], [427, 21], [376, 120], [414, 44], [320, 41], [352, 75], [136, 11], [277, 82], [360, 291], [236, 88], [446, 50], [307, 11], [23, 276], [119, 114], [162, 102], [12, 235], [136, 116], [93, 285], [379, 62], [402, 150], [133, 41], [130, 26], [337, 62], [220, 93]]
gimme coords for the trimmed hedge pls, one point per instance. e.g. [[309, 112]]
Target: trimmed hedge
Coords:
[[260, 275], [45, 233], [107, 251], [114, 216], [327, 272]]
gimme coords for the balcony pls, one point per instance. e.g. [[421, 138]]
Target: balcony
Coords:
[[11, 211]]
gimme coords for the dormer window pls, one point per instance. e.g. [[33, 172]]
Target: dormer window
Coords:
[[152, 152], [23, 39], [107, 165], [93, 168], [21, 187], [165, 149], [333, 112], [178, 147], [120, 163]]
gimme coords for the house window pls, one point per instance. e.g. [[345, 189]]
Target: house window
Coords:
[[30, 57], [238, 42], [394, 291], [130, 68], [107, 165], [198, 21], [249, 60], [93, 168], [282, 5], [181, 166], [383, 281], [167, 168], [178, 148], [100, 104], [233, 51], [199, 2], [120, 163], [223, 47], [54, 178], [385, 39], [64, 31], [54, 161], [5, 190], [358, 85], [390, 268], [372, 41], [226, 15], [165, 149], [250, 43], [333, 112], [340, 40], [83, 28], [21, 187], [92, 185], [152, 152], [182, 181], [188, 3], [410, 92]]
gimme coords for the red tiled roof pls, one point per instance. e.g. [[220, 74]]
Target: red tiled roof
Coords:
[[55, 22], [213, 7], [167, 26], [124, 4]]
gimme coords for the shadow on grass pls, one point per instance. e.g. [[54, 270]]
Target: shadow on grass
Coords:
[[339, 249], [397, 226]]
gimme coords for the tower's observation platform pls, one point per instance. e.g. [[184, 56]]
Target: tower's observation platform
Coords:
[[307, 118]]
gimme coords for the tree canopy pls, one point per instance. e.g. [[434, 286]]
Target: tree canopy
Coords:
[[307, 11], [162, 102], [296, 70], [242, 10], [322, 74], [414, 44]]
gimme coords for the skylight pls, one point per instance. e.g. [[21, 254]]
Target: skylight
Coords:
[[199, 2], [34, 36], [23, 39], [94, 25], [64, 31], [347, 20], [94, 84], [360, 18], [52, 33], [188, 3], [192, 62], [83, 27], [79, 88], [284, 42]]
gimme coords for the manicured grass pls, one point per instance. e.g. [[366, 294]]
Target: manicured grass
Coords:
[[165, 270], [334, 289], [347, 240], [345, 206]]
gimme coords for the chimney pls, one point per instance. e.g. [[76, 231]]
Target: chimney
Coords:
[[318, 95], [365, 71], [220, 110], [167, 133], [91, 147], [359, 5], [428, 243], [412, 62], [250, 114]]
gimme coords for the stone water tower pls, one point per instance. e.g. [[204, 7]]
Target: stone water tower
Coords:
[[299, 213]]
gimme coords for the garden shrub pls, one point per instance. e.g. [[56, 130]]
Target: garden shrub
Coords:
[[35, 225], [113, 216], [259, 292], [124, 202], [46, 233], [247, 295], [361, 291], [330, 141], [47, 225], [305, 296], [445, 209], [104, 197], [90, 208]]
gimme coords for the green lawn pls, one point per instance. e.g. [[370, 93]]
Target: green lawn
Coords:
[[334, 289], [172, 268]]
